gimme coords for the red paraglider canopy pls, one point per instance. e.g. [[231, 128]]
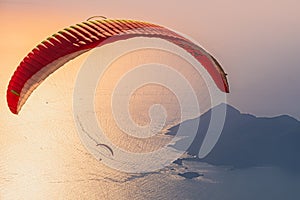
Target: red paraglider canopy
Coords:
[[67, 44]]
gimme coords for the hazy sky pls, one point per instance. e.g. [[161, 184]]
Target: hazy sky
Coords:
[[256, 41]]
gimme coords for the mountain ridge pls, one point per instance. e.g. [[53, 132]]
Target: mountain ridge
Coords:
[[247, 140]]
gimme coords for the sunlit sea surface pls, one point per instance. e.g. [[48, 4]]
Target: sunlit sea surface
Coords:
[[60, 168]]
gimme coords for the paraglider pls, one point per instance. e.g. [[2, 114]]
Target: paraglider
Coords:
[[107, 147], [71, 42]]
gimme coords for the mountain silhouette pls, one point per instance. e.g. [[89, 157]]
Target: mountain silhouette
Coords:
[[248, 141]]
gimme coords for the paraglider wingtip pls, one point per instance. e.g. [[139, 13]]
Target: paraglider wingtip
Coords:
[[15, 112]]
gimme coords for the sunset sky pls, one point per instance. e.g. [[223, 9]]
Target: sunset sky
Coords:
[[256, 41]]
